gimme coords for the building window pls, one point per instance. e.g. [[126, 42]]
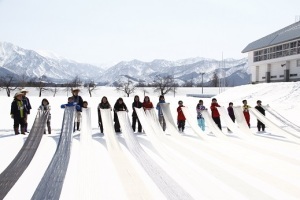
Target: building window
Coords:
[[263, 77], [286, 49], [281, 76], [298, 63], [293, 75], [273, 76]]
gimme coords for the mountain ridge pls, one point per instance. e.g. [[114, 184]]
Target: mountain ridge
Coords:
[[18, 61]]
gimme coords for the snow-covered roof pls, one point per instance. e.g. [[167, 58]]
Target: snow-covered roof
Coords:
[[288, 33]]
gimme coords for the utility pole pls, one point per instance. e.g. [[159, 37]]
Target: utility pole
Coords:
[[202, 73]]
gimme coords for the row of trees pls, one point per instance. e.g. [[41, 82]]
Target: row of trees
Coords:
[[161, 85]]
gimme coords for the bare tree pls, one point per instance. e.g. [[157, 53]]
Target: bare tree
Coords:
[[91, 86], [41, 84], [76, 82], [164, 84], [126, 87], [54, 89], [9, 83]]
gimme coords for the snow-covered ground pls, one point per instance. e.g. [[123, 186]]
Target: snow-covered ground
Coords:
[[229, 166]]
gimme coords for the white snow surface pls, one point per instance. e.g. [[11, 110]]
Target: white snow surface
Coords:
[[237, 165]]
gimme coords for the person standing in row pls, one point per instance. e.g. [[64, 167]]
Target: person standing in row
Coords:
[[161, 118], [18, 113], [180, 117], [136, 104], [230, 113], [215, 113], [77, 99], [27, 107], [119, 106], [199, 108], [104, 104], [70, 104], [46, 107], [147, 104], [246, 112], [260, 125]]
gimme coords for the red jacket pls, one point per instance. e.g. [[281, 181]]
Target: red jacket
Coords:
[[214, 110], [180, 115], [147, 105]]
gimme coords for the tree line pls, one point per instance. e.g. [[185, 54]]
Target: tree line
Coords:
[[161, 84]]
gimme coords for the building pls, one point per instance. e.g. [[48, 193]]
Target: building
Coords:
[[276, 57]]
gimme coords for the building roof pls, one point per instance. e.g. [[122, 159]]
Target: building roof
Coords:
[[288, 33]]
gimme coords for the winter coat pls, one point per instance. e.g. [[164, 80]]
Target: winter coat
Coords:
[[160, 113], [79, 101], [246, 108], [46, 108], [214, 110], [136, 104], [199, 109], [260, 109], [26, 103], [119, 107], [231, 113], [147, 104], [180, 115], [17, 110]]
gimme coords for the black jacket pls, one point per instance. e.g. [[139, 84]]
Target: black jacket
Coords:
[[136, 104]]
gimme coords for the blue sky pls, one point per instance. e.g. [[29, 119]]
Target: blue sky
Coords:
[[104, 31]]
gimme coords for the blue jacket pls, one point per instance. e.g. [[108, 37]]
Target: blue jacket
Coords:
[[159, 108], [78, 108]]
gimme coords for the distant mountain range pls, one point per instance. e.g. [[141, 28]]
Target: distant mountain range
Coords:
[[18, 62]]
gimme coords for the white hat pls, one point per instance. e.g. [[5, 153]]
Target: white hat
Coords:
[[18, 93], [24, 90]]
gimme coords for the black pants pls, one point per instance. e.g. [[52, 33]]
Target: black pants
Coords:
[[260, 125], [19, 121], [181, 124], [134, 119], [117, 124], [217, 120]]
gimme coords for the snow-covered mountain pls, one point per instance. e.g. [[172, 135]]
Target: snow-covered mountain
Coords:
[[235, 71], [17, 61]]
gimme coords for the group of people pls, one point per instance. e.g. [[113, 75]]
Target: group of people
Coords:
[[216, 115], [20, 109], [121, 106]]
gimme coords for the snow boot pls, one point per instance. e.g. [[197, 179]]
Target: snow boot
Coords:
[[16, 131], [23, 131]]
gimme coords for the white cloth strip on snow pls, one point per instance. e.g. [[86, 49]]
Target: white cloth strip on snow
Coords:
[[168, 186], [212, 125], [193, 123], [171, 128], [270, 124], [241, 121], [131, 180], [85, 185], [230, 124], [282, 118]]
